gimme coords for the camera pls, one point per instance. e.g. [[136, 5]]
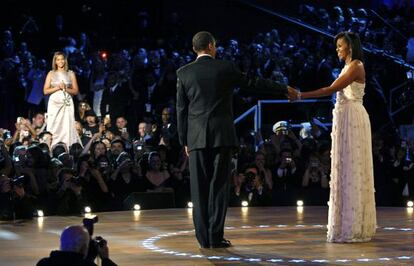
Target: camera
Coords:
[[122, 157], [249, 176], [18, 181], [78, 181], [99, 241], [7, 134], [95, 242], [103, 164], [88, 223], [92, 163]]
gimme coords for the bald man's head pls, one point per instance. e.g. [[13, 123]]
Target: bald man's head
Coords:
[[75, 239]]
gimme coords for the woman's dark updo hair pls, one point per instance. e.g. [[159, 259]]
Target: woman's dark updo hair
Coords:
[[353, 41]]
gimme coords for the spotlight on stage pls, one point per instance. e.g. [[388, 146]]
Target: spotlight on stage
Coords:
[[245, 203], [190, 204], [104, 55], [137, 207], [410, 204], [88, 209], [299, 203], [40, 213]]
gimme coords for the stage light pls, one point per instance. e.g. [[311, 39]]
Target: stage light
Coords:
[[190, 204], [189, 212], [88, 209], [245, 203], [137, 207], [299, 203], [410, 204], [40, 213], [299, 209], [104, 55]]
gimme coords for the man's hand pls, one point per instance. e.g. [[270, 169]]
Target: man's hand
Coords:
[[186, 150], [293, 94], [19, 190], [103, 249]]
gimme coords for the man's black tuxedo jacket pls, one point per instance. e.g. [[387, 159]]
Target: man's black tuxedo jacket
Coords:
[[205, 101], [118, 101]]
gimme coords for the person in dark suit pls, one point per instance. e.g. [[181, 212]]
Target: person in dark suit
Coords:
[[115, 98], [206, 130]]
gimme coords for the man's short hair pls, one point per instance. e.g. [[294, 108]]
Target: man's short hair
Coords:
[[38, 113], [42, 134], [119, 141], [201, 40]]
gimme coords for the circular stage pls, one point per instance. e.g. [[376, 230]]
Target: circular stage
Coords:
[[268, 236]]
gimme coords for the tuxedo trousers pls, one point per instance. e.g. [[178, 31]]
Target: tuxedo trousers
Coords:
[[210, 175]]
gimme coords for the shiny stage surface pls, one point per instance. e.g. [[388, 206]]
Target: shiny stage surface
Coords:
[[261, 236]]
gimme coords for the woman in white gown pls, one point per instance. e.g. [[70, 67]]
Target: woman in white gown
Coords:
[[352, 215], [61, 84]]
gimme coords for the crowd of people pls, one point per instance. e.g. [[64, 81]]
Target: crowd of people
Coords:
[[125, 124]]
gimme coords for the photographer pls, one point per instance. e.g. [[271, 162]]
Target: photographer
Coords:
[[6, 165], [125, 178], [23, 163], [74, 244], [315, 181], [24, 130], [285, 178], [264, 172], [249, 186], [95, 190], [144, 142], [314, 175], [14, 202], [69, 196]]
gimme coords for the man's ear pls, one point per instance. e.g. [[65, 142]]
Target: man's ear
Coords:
[[194, 50]]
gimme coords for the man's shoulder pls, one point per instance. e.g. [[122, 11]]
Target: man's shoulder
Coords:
[[185, 68], [44, 262], [217, 62]]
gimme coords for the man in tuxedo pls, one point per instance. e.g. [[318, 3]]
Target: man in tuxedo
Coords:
[[206, 130], [116, 98]]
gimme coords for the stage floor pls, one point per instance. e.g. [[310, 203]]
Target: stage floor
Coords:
[[261, 236]]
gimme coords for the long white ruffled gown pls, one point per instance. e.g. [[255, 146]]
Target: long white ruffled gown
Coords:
[[61, 112], [352, 214]]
